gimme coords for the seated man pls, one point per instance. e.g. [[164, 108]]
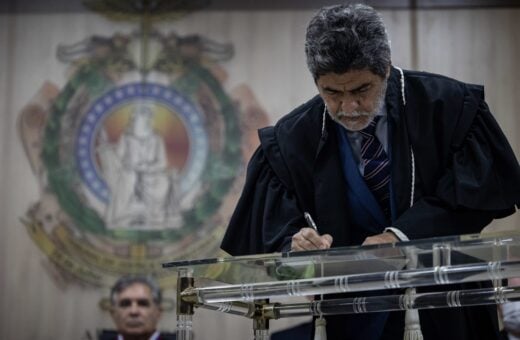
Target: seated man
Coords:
[[135, 306]]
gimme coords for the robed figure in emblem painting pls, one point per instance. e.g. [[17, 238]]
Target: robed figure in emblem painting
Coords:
[[141, 184]]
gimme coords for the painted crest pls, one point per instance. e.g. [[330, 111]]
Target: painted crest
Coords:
[[139, 157]]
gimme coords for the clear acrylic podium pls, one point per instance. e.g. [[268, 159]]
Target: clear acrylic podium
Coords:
[[264, 287]]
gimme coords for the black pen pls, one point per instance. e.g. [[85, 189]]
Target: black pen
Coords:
[[310, 221]]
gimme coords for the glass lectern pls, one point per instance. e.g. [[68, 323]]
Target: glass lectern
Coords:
[[261, 287]]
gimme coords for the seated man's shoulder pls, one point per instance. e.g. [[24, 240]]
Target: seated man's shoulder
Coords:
[[107, 334], [167, 336]]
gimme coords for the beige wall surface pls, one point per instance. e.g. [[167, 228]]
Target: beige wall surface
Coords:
[[36, 300]]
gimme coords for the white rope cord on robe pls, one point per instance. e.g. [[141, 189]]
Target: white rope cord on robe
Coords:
[[323, 118]]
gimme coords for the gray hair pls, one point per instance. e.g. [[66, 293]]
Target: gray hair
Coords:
[[127, 281], [342, 38]]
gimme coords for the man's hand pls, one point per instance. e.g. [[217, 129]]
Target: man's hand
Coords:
[[386, 237], [309, 239]]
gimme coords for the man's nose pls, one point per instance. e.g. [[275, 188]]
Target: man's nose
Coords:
[[349, 105], [134, 308]]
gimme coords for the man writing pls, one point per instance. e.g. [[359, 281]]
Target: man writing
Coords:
[[381, 155]]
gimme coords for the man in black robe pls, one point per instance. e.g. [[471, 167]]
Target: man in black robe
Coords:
[[450, 170]]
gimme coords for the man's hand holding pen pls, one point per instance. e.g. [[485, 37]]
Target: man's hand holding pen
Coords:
[[309, 238]]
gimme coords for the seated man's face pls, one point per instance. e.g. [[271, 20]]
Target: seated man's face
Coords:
[[135, 312]]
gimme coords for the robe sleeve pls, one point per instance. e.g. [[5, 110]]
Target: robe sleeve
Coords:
[[267, 214], [480, 183]]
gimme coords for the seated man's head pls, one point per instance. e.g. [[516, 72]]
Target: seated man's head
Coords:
[[135, 306]]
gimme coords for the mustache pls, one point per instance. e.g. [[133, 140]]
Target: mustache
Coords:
[[354, 114]]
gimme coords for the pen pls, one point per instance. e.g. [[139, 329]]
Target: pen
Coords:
[[310, 221]]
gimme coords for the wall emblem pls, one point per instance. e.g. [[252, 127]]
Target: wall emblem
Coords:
[[139, 157]]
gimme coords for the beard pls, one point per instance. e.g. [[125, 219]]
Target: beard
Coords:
[[358, 120]]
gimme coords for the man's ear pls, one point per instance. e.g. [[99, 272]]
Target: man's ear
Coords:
[[111, 310]]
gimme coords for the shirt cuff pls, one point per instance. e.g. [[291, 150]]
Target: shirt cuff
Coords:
[[398, 233]]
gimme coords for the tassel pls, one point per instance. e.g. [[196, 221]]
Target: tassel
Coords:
[[320, 332], [412, 327]]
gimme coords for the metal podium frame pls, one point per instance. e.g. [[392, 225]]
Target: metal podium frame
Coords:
[[251, 286]]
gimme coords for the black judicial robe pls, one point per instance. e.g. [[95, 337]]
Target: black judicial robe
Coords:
[[466, 174]]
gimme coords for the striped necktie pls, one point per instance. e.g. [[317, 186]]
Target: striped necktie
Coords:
[[376, 166]]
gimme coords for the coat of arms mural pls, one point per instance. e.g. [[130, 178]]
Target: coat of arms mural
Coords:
[[140, 155]]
